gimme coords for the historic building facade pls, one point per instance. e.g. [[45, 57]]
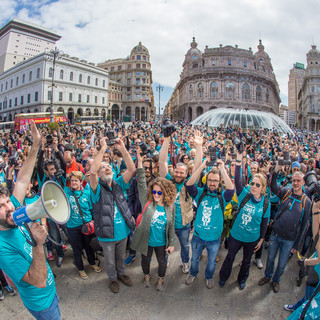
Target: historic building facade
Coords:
[[79, 88], [309, 95], [224, 77], [130, 89]]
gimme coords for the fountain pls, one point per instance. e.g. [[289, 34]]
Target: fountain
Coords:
[[245, 119]]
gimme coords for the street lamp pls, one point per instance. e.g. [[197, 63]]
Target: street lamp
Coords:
[[54, 55], [159, 88]]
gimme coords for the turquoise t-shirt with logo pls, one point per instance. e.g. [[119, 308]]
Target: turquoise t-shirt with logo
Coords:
[[178, 218], [157, 235], [75, 219], [15, 260], [208, 224], [2, 177], [246, 227], [121, 229]]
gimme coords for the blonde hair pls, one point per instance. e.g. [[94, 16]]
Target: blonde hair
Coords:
[[263, 181], [77, 174], [169, 190]]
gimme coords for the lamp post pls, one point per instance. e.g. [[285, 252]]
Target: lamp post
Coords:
[[54, 55], [159, 88]]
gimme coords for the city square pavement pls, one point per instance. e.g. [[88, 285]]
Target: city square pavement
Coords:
[[92, 298]]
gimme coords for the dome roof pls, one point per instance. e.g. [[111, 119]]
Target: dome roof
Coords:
[[242, 118], [139, 49], [313, 54], [261, 54], [193, 50]]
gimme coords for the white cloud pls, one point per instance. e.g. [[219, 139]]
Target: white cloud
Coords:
[[110, 29]]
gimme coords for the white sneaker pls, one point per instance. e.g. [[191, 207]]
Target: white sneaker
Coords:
[[185, 268], [190, 278], [259, 263]]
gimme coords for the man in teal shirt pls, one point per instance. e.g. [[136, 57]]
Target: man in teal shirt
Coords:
[[26, 265]]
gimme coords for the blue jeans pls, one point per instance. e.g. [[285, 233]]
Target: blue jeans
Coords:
[[197, 246], [285, 247], [307, 295], [183, 236], [52, 313]]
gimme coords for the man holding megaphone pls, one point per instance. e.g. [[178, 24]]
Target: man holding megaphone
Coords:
[[26, 265]]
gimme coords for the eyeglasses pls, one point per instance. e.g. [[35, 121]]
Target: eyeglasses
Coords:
[[146, 168], [214, 181], [157, 192], [254, 183]]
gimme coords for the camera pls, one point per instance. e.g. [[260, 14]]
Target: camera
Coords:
[[239, 144], [213, 157], [264, 159], [168, 128], [2, 166], [286, 159], [13, 161], [313, 185], [111, 138], [49, 139], [76, 129], [28, 139], [144, 149], [248, 138]]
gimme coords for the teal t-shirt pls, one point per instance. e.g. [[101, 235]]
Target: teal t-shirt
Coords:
[[15, 260], [75, 219], [44, 179], [246, 227], [178, 217], [121, 229], [208, 224], [157, 235], [2, 177]]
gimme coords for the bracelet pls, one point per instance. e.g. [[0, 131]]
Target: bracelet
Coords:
[[315, 213], [239, 161]]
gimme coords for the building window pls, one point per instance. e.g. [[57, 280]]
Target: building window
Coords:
[[79, 97], [50, 72], [229, 61], [200, 90], [60, 96], [10, 103], [70, 96], [11, 83], [245, 63], [28, 98], [61, 74], [138, 57], [267, 95], [1, 87], [119, 68], [245, 92], [138, 65], [38, 73], [144, 66], [21, 100], [129, 66], [88, 80], [30, 76], [258, 94], [190, 91], [144, 57], [103, 100], [128, 97], [103, 83], [36, 96], [23, 78], [112, 68], [15, 102], [71, 76], [214, 90], [95, 99], [80, 78], [229, 91], [137, 80], [97, 81], [133, 57], [17, 81], [49, 95], [88, 98]]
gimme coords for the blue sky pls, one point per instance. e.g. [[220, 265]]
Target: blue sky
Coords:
[[97, 30]]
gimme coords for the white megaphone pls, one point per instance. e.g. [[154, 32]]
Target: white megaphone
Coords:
[[52, 204]]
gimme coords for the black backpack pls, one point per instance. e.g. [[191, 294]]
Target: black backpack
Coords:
[[219, 196]]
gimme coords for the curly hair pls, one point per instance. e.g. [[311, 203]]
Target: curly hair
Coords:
[[168, 189]]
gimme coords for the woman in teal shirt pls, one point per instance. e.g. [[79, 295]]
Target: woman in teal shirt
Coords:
[[78, 240], [156, 230], [249, 227]]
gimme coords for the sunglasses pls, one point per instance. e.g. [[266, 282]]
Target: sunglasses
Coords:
[[257, 184], [157, 192]]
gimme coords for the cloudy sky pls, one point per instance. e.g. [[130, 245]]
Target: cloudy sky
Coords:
[[97, 30]]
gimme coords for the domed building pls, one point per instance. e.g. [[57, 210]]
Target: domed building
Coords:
[[224, 77], [309, 95], [130, 86]]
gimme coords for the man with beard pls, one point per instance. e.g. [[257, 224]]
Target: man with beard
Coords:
[[25, 265], [112, 217], [183, 202]]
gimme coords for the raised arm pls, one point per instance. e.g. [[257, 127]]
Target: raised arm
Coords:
[[195, 176], [198, 141], [25, 173], [163, 158], [128, 174]]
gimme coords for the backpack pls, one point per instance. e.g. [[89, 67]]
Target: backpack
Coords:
[[219, 196], [140, 215]]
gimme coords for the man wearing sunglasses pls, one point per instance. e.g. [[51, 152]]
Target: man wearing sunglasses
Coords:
[[289, 227]]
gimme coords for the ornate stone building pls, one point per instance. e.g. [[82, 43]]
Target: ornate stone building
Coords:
[[130, 88], [227, 77], [309, 95]]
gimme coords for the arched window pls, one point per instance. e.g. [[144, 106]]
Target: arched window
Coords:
[[267, 95], [214, 90], [103, 83], [30, 75], [38, 73], [258, 94], [245, 92], [229, 91], [23, 78], [71, 76], [17, 81], [88, 80], [50, 72], [80, 77], [190, 91], [61, 74], [96, 81], [200, 90]]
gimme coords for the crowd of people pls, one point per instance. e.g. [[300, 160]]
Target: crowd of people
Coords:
[[145, 188]]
